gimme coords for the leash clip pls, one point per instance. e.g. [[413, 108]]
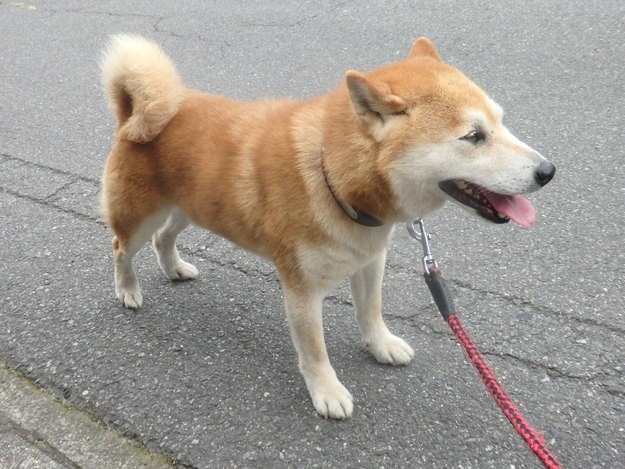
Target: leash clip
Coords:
[[424, 238]]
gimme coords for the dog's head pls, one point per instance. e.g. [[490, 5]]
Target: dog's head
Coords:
[[441, 137]]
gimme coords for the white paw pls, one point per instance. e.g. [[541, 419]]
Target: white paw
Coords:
[[391, 349], [332, 400], [182, 271], [130, 297]]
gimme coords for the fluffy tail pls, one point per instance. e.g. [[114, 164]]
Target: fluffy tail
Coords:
[[142, 86]]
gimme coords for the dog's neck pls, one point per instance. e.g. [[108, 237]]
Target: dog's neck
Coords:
[[359, 216]]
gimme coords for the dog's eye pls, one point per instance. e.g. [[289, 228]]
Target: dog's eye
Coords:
[[475, 136], [403, 112]]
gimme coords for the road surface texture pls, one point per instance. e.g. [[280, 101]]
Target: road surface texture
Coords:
[[205, 375]]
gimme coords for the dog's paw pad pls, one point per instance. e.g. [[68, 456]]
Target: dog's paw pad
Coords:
[[183, 271], [392, 350], [130, 297], [333, 401]]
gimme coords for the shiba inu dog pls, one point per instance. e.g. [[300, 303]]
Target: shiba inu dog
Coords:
[[313, 185]]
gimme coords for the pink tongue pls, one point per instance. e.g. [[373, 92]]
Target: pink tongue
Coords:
[[514, 207]]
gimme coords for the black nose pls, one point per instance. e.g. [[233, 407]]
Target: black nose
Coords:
[[544, 173]]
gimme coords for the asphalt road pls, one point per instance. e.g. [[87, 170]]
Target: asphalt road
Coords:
[[205, 372]]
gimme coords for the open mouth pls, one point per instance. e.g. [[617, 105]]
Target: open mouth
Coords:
[[497, 208]]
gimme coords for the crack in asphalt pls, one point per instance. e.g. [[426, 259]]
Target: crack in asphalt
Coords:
[[37, 440], [250, 272], [77, 177], [61, 189], [554, 373], [551, 371], [156, 26], [80, 11], [221, 44], [159, 18], [517, 301], [50, 204]]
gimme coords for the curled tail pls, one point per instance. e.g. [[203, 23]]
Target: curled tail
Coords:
[[142, 86]]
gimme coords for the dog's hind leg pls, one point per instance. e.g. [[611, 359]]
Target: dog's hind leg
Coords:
[[126, 244], [164, 244], [366, 286]]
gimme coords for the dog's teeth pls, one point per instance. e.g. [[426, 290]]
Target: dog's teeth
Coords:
[[461, 185]]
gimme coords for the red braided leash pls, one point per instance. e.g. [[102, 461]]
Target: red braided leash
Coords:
[[529, 435], [442, 298]]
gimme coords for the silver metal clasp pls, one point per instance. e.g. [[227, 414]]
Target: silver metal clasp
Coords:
[[424, 237]]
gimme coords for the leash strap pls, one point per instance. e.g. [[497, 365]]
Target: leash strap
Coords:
[[505, 403], [442, 298]]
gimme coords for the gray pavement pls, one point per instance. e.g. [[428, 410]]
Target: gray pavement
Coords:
[[204, 375]]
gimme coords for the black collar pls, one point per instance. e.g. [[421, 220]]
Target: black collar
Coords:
[[359, 216]]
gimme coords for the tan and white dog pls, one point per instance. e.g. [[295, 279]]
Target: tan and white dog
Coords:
[[314, 185]]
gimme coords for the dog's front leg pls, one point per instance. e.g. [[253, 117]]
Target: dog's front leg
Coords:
[[366, 286], [303, 308]]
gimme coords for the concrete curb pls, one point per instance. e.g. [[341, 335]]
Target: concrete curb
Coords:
[[37, 431]]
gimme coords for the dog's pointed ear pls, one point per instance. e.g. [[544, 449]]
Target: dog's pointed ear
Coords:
[[373, 101], [424, 47]]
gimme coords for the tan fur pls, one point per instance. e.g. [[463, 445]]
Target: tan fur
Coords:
[[252, 172], [145, 93]]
